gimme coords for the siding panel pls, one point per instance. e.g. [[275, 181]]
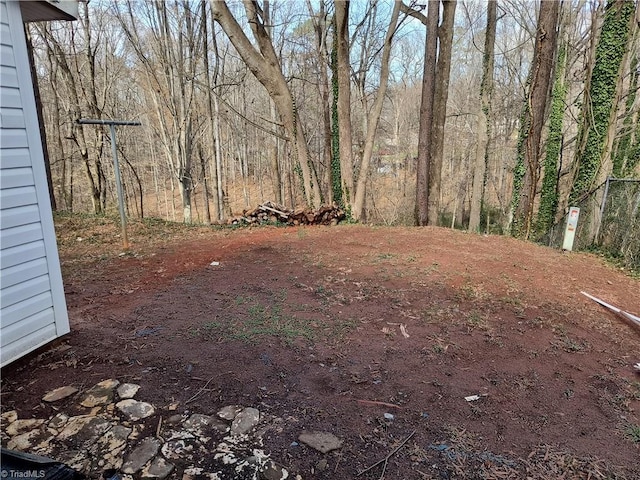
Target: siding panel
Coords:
[[23, 253], [16, 177], [22, 310], [23, 272], [14, 217], [10, 116], [22, 291], [10, 96], [15, 158], [22, 234], [8, 77], [15, 197], [27, 343], [33, 310], [13, 138]]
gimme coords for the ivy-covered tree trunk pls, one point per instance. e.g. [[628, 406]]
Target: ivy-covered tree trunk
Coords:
[[336, 177], [528, 172], [549, 196], [601, 96], [626, 157]]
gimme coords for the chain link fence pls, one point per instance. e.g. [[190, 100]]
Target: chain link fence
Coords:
[[609, 220]]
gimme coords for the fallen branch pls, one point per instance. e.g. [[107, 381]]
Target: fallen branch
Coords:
[[374, 402], [385, 460], [265, 207], [199, 392]]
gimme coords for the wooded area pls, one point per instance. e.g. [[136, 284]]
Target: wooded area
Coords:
[[490, 116]]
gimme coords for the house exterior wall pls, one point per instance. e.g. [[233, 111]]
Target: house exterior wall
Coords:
[[32, 304]]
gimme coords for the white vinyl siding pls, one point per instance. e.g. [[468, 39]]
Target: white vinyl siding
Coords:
[[32, 305]]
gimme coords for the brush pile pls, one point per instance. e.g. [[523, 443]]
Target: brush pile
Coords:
[[272, 213]]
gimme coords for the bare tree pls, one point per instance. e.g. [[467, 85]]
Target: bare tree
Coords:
[[484, 118], [265, 66]]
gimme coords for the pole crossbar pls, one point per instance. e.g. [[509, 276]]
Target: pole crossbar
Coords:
[[91, 121], [116, 167]]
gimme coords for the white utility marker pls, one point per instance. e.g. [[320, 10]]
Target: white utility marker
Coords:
[[570, 230]]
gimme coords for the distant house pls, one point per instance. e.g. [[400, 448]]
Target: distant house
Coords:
[[33, 310]]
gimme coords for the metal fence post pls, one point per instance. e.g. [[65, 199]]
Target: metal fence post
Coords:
[[602, 207], [116, 169]]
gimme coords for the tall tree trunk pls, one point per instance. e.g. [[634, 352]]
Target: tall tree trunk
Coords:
[[214, 139], [537, 99], [602, 91], [374, 115], [441, 95], [344, 100], [484, 119], [425, 140], [549, 194]]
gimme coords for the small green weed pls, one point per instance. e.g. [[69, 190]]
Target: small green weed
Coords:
[[633, 433]]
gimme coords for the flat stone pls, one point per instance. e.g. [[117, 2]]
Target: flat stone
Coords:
[[100, 394], [58, 421], [229, 412], [145, 451], [59, 393], [92, 431], [108, 449], [273, 471], [158, 469], [73, 426], [135, 410], [245, 421], [200, 424], [21, 426], [127, 390], [322, 441], [9, 417], [175, 419], [25, 441]]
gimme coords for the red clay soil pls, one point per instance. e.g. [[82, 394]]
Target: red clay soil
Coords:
[[309, 324]]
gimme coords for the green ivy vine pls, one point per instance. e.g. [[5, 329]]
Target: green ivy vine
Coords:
[[549, 195], [609, 53], [336, 176]]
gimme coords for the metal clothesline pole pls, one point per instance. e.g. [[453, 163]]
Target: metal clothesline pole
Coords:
[[116, 168]]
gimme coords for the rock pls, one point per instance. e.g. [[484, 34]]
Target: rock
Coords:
[[127, 390], [199, 424], [73, 426], [59, 393], [92, 431], [272, 471], [175, 419], [26, 441], [100, 394], [135, 410], [321, 466], [9, 417], [229, 412], [158, 469], [245, 421], [108, 449], [21, 426], [145, 451], [322, 441], [58, 421]]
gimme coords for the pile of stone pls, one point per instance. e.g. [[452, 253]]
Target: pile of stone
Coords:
[[121, 437], [272, 213]]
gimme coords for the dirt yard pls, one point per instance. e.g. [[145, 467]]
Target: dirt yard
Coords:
[[331, 328]]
